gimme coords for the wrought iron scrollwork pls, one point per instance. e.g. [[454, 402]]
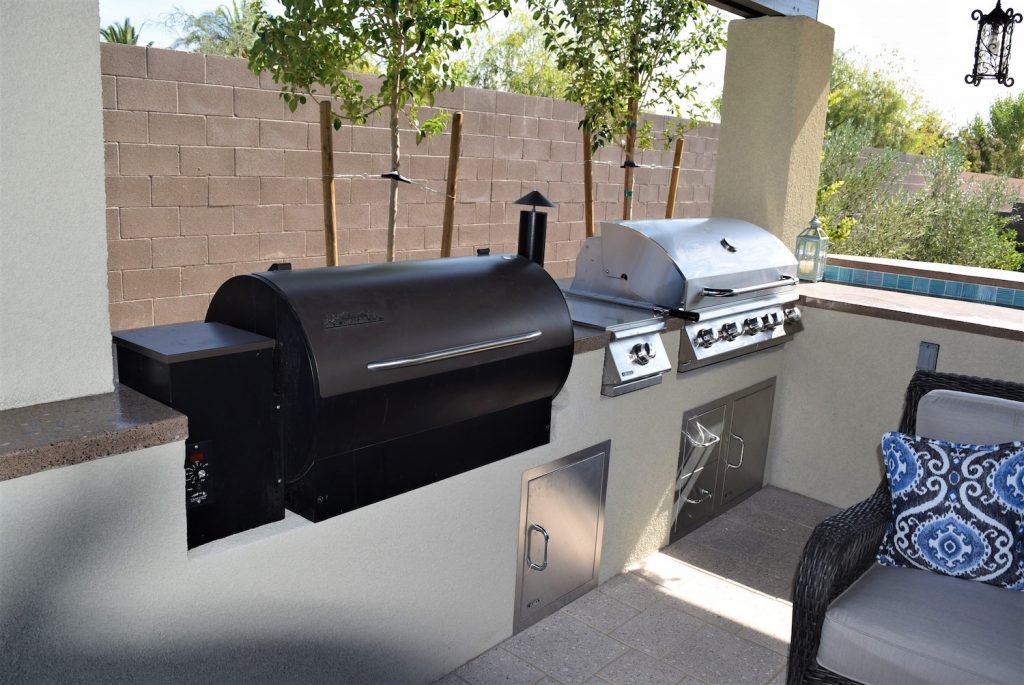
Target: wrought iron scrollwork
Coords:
[[992, 46]]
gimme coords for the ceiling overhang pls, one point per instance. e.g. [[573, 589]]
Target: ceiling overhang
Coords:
[[768, 8]]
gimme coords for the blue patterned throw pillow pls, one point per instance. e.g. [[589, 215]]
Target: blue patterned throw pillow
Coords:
[[957, 509]]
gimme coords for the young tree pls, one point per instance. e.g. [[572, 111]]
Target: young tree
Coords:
[[308, 48], [229, 30], [121, 33], [628, 56], [877, 100], [515, 59]]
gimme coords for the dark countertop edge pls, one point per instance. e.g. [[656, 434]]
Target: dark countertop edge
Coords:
[[923, 318], [103, 425]]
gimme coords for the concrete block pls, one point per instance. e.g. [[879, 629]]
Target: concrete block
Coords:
[[259, 162], [234, 248], [372, 240], [180, 251], [149, 222], [125, 127], [317, 246], [108, 92], [176, 65], [537, 149], [204, 279], [180, 309], [551, 129], [258, 104], [305, 164], [508, 148], [148, 160], [365, 139], [478, 100], [510, 103], [259, 219], [207, 161], [180, 191], [194, 98], [128, 191], [115, 291], [129, 254], [113, 223], [110, 159], [206, 220], [136, 314], [565, 151], [177, 129], [232, 132], [227, 190], [282, 245], [148, 283], [122, 60], [284, 134], [478, 146], [304, 218], [523, 127], [230, 71], [355, 217], [282, 191], [147, 95]]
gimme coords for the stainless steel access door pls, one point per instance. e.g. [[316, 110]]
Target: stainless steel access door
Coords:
[[561, 526], [749, 430]]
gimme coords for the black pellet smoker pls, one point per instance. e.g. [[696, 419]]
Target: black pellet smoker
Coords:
[[325, 390]]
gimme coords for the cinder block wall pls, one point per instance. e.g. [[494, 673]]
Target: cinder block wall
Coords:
[[209, 175]]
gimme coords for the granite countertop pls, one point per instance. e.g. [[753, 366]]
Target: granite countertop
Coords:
[[47, 436]]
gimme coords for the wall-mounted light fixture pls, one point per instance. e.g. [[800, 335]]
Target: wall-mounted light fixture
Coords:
[[992, 48]]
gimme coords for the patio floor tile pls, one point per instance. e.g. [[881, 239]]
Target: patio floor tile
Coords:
[[637, 668], [564, 648], [499, 666]]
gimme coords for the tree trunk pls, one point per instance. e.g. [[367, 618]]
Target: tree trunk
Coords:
[[627, 190], [396, 158], [588, 183]]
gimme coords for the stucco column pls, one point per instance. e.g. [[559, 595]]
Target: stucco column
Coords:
[[54, 324], [774, 103]]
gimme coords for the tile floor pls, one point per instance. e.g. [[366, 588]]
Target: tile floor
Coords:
[[711, 608]]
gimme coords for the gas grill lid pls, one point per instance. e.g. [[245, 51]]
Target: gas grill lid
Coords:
[[685, 263]]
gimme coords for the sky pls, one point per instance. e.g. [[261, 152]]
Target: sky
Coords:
[[933, 38]]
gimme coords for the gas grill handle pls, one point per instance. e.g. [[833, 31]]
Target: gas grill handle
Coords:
[[783, 282], [529, 544], [451, 352]]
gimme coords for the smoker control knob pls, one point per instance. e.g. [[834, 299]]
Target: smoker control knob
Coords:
[[642, 353], [705, 337], [751, 325], [730, 331], [793, 315]]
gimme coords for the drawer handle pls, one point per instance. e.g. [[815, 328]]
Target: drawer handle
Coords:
[[451, 352], [529, 545], [704, 494], [742, 447]]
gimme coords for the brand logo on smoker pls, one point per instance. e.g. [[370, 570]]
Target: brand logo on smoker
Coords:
[[351, 319]]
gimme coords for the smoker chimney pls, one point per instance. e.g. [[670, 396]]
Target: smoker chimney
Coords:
[[533, 226]]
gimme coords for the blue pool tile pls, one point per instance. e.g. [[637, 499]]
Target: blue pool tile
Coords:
[[1018, 298], [1004, 297], [905, 283], [937, 287], [970, 292], [987, 293], [845, 274], [874, 279], [859, 277], [831, 273], [890, 281], [921, 284], [953, 289]]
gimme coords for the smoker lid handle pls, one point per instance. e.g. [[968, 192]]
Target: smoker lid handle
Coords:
[[783, 282], [450, 352]]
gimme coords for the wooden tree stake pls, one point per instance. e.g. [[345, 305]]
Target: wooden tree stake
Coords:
[[327, 167], [454, 152], [588, 184], [673, 184]]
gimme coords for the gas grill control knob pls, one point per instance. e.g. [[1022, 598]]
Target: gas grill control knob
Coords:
[[751, 325], [793, 315], [642, 353], [705, 337], [730, 331]]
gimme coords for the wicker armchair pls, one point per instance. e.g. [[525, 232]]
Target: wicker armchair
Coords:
[[844, 545]]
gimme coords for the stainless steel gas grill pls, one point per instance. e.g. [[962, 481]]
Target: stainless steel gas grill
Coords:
[[384, 378], [733, 282]]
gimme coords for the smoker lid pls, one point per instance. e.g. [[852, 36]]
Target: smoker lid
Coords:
[[182, 342], [669, 262]]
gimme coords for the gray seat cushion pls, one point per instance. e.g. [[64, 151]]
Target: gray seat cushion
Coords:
[[967, 418], [901, 625]]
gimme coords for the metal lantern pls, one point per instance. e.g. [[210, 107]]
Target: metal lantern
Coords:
[[811, 252], [992, 48]]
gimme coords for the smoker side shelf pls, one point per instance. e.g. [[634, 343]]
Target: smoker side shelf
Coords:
[[722, 456]]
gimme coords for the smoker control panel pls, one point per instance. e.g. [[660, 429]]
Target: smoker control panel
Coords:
[[197, 473]]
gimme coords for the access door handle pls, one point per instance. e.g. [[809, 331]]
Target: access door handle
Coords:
[[742, 448], [529, 545]]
